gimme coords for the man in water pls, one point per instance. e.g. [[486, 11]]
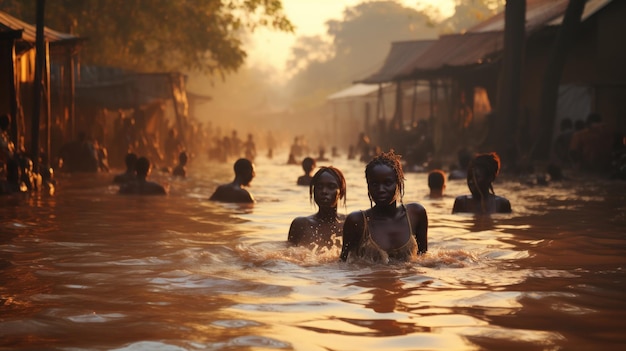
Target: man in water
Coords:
[[436, 183], [234, 191], [141, 186]]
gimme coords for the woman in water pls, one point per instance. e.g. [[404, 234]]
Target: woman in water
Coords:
[[327, 188], [481, 172], [387, 231]]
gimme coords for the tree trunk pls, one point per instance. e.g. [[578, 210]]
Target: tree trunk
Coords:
[[552, 76]]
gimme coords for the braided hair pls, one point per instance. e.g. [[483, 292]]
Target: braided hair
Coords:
[[337, 174], [391, 160]]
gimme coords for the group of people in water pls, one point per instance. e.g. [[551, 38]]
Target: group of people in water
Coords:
[[133, 181], [390, 230]]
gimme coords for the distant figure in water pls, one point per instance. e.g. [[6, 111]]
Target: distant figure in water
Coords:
[[327, 188], [436, 183], [181, 168], [464, 158], [308, 165], [141, 186], [387, 231], [234, 191], [130, 174], [481, 173], [292, 160]]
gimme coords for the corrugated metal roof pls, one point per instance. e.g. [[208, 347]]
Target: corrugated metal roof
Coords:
[[540, 13], [401, 54], [355, 90], [29, 34], [477, 46], [456, 50], [591, 7]]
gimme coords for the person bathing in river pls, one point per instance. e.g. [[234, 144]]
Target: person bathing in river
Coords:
[[389, 230], [234, 191], [141, 186], [308, 165], [481, 172], [181, 168], [130, 174], [436, 183], [327, 188]]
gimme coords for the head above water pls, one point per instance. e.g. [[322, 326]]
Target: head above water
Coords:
[[142, 167], [335, 173], [130, 160], [391, 160], [482, 171], [308, 164], [244, 170], [436, 179]]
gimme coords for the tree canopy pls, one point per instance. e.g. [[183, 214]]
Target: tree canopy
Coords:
[[358, 45], [159, 35]]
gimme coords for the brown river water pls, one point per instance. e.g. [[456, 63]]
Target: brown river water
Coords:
[[88, 269]]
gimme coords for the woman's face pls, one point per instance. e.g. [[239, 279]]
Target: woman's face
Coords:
[[382, 184], [326, 190]]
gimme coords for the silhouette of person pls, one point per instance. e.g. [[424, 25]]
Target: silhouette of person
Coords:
[[234, 191], [464, 157], [141, 186], [308, 165], [292, 159], [385, 232], [327, 188], [181, 168], [436, 183], [351, 152], [250, 148], [130, 174], [322, 155], [482, 171]]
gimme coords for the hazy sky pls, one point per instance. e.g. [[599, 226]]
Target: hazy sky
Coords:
[[309, 16]]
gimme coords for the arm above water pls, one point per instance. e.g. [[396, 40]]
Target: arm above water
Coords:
[[419, 222], [296, 230], [352, 233]]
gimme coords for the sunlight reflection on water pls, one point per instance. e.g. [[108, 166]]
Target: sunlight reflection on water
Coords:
[[182, 273]]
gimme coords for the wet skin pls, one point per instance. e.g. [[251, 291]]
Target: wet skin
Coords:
[[326, 191], [387, 221], [382, 185], [317, 229]]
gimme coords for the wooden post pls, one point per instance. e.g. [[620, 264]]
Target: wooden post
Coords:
[[38, 84], [508, 106]]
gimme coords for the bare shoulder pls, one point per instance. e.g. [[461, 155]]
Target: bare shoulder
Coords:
[[299, 221], [354, 217], [503, 205], [415, 207]]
